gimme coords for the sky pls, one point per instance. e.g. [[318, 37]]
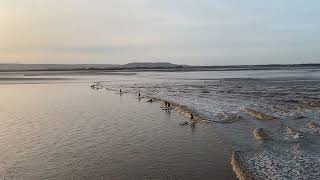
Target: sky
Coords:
[[196, 32]]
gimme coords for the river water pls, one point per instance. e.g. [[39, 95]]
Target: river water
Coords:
[[69, 131], [290, 97], [59, 128]]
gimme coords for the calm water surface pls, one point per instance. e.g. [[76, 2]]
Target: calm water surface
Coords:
[[65, 131]]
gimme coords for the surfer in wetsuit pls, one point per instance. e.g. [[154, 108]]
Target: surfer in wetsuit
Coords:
[[191, 118], [120, 91]]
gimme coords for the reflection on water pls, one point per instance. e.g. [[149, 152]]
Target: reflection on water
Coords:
[[65, 131]]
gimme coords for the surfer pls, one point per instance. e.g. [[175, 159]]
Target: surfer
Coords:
[[139, 95], [191, 118], [120, 91]]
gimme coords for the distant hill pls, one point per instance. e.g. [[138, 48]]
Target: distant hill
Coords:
[[63, 67], [44, 67], [151, 65], [147, 66]]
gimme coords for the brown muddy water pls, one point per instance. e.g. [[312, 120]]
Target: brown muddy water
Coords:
[[69, 131], [57, 127]]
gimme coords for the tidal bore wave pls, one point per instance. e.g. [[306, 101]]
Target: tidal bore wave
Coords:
[[284, 112]]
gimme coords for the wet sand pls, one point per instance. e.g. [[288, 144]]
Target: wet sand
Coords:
[[65, 131]]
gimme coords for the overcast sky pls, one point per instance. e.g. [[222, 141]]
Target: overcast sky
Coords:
[[204, 32]]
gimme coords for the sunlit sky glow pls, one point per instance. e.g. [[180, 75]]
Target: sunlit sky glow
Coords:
[[203, 32]]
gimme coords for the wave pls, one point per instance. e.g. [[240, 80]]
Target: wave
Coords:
[[278, 110]]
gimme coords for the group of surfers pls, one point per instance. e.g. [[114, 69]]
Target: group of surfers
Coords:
[[166, 104]]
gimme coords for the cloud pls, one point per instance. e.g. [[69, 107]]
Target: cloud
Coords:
[[206, 31]]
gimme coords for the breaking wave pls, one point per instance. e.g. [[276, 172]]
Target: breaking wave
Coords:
[[274, 102]]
